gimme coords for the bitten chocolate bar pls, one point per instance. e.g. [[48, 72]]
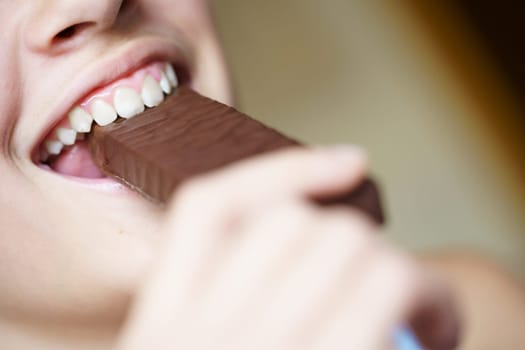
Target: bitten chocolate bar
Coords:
[[187, 135]]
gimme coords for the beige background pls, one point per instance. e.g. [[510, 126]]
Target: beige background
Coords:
[[365, 72]]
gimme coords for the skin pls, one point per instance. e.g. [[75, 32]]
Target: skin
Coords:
[[86, 268], [60, 269], [491, 300]]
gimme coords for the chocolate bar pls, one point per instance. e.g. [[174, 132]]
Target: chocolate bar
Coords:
[[187, 135]]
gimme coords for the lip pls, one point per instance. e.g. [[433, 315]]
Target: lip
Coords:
[[106, 185], [131, 56]]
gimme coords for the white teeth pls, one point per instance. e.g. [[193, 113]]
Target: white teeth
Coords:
[[80, 120], [172, 76], [151, 92], [128, 102], [54, 147], [165, 84], [66, 136], [103, 113]]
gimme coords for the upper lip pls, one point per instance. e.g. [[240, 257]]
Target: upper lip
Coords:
[[129, 58]]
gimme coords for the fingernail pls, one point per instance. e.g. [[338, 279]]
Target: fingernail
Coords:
[[340, 160], [345, 151]]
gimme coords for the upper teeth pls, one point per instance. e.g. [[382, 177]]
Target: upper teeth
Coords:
[[151, 92], [172, 77], [66, 136], [127, 103], [80, 120], [54, 147], [103, 113], [165, 84]]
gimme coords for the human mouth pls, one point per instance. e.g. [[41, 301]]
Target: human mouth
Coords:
[[65, 151]]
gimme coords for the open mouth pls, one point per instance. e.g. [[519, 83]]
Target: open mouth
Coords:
[[65, 149]]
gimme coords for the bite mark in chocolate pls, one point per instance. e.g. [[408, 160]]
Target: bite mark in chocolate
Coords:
[[189, 135]]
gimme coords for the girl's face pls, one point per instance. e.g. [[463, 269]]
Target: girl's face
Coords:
[[74, 246]]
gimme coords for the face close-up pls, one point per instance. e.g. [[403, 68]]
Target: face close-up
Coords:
[[74, 244], [139, 210]]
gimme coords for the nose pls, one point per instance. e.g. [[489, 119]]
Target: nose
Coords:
[[55, 25]]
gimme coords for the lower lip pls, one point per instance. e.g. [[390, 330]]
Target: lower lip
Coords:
[[105, 184]]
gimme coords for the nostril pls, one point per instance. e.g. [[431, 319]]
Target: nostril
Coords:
[[71, 32], [66, 33]]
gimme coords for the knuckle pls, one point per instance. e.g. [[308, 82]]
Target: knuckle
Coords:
[[349, 228], [294, 216], [194, 193], [298, 211], [359, 221]]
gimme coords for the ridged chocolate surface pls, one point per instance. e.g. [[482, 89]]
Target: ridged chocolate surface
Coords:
[[189, 134]]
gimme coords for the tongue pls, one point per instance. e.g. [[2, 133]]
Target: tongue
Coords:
[[76, 161]]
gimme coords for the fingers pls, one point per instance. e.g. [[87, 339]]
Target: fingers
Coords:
[[378, 300], [306, 293], [207, 208], [248, 258], [269, 242], [291, 277], [391, 292], [298, 172]]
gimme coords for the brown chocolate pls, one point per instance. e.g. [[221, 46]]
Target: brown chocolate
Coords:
[[187, 135]]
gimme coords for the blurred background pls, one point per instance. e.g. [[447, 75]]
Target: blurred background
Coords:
[[432, 89]]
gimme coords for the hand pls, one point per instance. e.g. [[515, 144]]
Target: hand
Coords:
[[252, 264]]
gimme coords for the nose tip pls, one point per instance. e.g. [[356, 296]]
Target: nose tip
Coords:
[[55, 24]]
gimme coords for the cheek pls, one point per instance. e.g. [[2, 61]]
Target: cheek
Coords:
[[182, 8], [192, 17], [62, 263], [10, 90]]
